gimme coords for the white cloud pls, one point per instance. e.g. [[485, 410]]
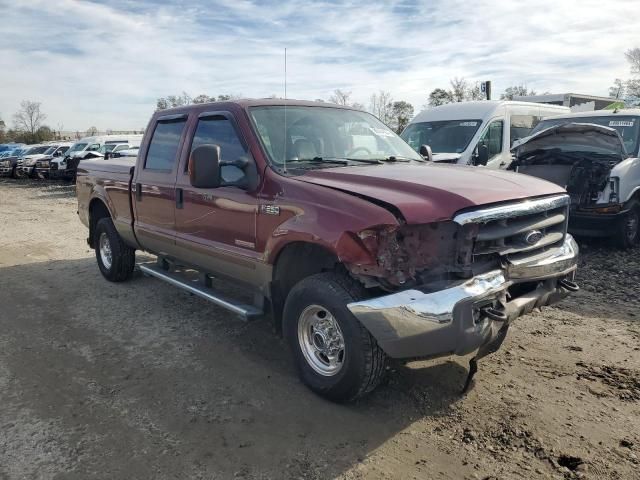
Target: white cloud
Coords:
[[104, 64]]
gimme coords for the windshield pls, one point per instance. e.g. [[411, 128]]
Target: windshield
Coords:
[[627, 127], [37, 150], [324, 134], [446, 136], [76, 147], [50, 150]]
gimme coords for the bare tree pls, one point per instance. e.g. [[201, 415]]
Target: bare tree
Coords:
[[203, 99], [29, 118], [91, 131], [633, 57], [382, 106], [339, 97], [617, 90]]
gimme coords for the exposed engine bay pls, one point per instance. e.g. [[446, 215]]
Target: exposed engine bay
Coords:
[[583, 174]]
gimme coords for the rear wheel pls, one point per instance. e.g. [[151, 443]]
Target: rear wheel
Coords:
[[115, 258], [335, 355], [628, 232]]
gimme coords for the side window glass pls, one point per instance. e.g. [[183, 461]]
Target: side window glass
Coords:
[[492, 137], [94, 147], [219, 131], [163, 148], [521, 126]]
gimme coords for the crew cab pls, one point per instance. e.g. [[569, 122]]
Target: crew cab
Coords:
[[355, 246], [596, 157]]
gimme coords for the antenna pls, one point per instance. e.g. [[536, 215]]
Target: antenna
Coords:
[[285, 111]]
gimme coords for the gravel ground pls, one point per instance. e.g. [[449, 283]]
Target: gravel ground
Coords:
[[141, 380]]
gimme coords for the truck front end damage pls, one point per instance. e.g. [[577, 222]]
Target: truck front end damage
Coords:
[[458, 285]]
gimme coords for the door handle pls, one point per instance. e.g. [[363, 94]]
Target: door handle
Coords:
[[179, 198], [138, 192]]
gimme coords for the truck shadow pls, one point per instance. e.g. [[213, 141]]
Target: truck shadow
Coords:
[[152, 376]]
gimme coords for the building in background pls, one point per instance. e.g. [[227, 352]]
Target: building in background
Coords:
[[576, 101]]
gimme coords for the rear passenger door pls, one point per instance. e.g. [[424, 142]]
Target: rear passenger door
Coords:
[[154, 196]]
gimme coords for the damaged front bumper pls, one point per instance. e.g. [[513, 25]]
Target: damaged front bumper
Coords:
[[470, 315]]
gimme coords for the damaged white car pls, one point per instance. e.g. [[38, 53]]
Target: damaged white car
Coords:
[[594, 155]]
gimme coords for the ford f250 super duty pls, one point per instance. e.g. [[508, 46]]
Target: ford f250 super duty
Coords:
[[358, 248]]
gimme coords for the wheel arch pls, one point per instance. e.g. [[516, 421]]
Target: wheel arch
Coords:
[[294, 262], [98, 210]]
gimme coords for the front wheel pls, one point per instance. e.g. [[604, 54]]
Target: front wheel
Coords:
[[335, 355], [628, 233], [115, 258]]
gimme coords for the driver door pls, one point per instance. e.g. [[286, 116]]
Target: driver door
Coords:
[[216, 227], [493, 139]]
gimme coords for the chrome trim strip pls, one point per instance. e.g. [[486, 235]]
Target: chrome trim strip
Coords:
[[510, 210]]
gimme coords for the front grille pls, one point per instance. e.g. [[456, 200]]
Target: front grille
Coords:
[[42, 164], [517, 230]]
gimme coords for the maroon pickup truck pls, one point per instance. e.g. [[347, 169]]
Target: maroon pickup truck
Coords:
[[359, 248]]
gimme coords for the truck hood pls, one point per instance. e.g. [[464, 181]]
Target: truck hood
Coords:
[[425, 193], [582, 136]]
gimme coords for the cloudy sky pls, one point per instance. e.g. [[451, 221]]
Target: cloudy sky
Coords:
[[104, 63]]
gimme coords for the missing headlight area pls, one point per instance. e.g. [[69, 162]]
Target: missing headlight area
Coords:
[[407, 255]]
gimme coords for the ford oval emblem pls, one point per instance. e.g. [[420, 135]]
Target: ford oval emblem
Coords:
[[533, 237]]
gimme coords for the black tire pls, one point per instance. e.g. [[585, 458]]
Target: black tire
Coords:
[[628, 231], [364, 363], [123, 257]]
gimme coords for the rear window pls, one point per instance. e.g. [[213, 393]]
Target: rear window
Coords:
[[163, 148]]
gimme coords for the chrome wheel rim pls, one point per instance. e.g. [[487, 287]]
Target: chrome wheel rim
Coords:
[[321, 340], [105, 251], [632, 226]]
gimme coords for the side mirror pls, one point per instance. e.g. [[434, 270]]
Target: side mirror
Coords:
[[57, 153], [483, 155], [425, 151], [204, 166]]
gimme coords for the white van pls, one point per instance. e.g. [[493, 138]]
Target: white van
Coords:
[[476, 133], [95, 146]]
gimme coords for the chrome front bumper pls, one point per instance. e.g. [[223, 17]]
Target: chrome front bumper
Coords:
[[413, 323]]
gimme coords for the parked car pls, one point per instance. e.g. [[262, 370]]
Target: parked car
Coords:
[[26, 163], [126, 152], [359, 248], [88, 147], [9, 147], [596, 157], [8, 164], [476, 133], [43, 164]]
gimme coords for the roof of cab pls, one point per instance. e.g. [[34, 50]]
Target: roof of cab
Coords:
[[634, 112], [475, 110], [250, 102]]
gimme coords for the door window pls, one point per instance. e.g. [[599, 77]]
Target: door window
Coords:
[[492, 137], [521, 126], [219, 131], [163, 148]]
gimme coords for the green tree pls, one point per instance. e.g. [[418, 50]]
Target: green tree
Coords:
[[516, 91], [439, 96], [401, 114]]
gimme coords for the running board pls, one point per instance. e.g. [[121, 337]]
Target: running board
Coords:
[[247, 312]]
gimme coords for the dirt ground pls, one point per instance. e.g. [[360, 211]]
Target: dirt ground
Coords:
[[141, 380]]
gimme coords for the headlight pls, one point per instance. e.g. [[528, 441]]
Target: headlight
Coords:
[[30, 162]]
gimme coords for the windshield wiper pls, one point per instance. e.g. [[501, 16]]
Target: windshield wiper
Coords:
[[400, 158], [336, 160]]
